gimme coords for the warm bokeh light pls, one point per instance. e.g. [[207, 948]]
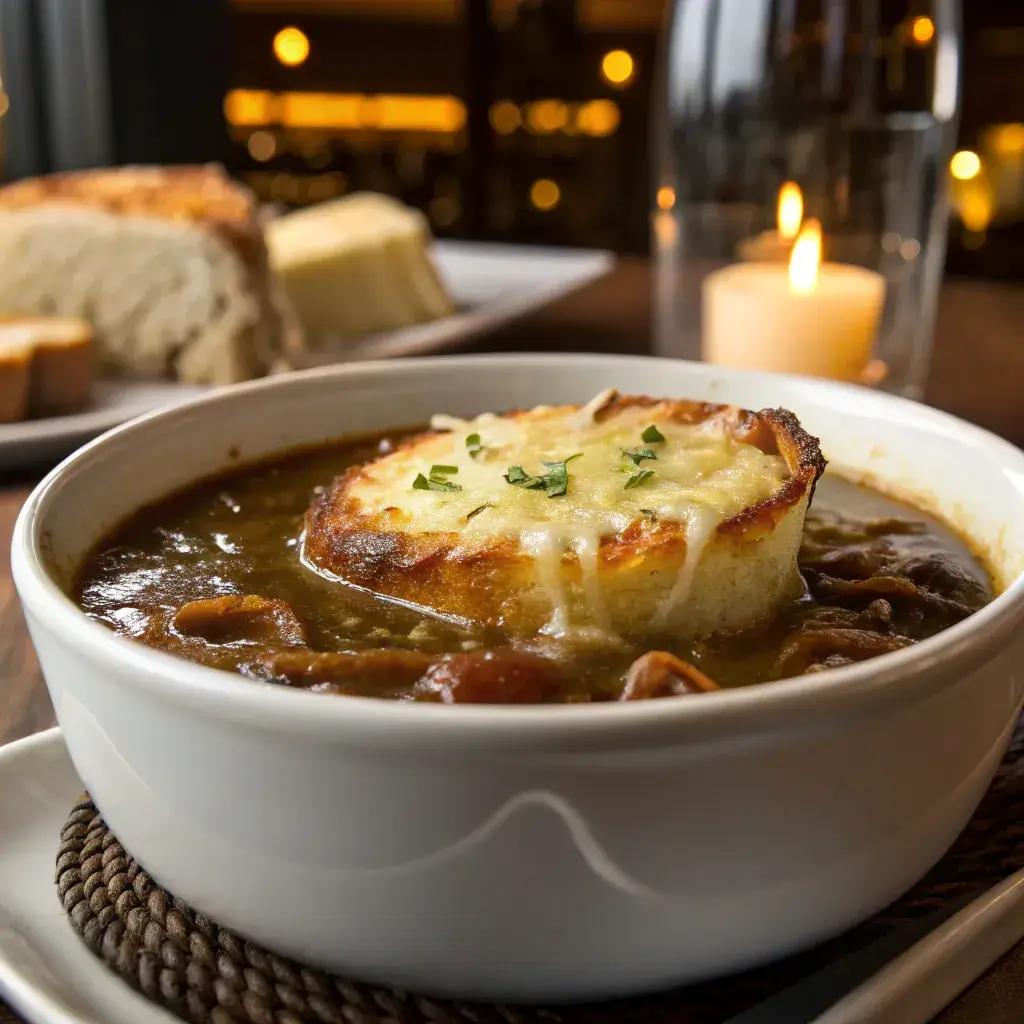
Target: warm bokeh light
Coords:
[[545, 194], [666, 197], [291, 46], [318, 110], [322, 110], [791, 210], [411, 113], [505, 117], [618, 67], [598, 117], [262, 145], [1007, 139], [666, 230], [976, 207], [245, 107], [965, 165], [546, 116], [922, 31], [806, 259]]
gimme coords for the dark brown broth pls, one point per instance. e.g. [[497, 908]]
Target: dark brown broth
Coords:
[[240, 534]]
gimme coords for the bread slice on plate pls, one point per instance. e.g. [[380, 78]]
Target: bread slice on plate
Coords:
[[16, 347], [168, 264], [356, 266], [62, 375], [630, 516], [48, 363]]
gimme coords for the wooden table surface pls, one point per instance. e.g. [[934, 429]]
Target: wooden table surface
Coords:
[[977, 373]]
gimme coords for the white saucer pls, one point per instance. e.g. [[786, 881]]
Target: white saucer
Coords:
[[47, 975]]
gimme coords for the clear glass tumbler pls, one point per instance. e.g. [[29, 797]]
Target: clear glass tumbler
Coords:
[[802, 153]]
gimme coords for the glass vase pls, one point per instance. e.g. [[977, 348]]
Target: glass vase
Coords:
[[801, 153]]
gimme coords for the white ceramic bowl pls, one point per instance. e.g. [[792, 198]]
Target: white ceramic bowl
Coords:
[[530, 853]]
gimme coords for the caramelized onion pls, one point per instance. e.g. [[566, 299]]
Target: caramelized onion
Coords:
[[500, 676], [387, 668], [660, 674], [240, 618], [808, 648]]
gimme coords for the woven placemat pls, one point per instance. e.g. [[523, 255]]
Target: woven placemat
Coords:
[[207, 975]]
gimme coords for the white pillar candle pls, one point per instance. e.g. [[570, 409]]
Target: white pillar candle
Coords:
[[808, 318]]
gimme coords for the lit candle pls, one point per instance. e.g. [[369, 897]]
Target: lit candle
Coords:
[[775, 246], [813, 318]]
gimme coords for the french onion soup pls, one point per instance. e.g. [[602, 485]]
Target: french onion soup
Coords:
[[626, 549]]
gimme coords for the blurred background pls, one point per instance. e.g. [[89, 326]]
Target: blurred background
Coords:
[[504, 120]]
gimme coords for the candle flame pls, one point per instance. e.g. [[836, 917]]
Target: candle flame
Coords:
[[791, 210], [805, 259]]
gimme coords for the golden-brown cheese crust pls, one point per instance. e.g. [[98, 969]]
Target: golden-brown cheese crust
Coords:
[[437, 570]]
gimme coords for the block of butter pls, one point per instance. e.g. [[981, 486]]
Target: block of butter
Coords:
[[356, 266]]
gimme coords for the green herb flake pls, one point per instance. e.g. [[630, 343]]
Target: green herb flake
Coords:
[[639, 478], [649, 513], [652, 435], [555, 482], [473, 445], [638, 455], [443, 470], [479, 509], [518, 476], [421, 483]]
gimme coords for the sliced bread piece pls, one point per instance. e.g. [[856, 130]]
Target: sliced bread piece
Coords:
[[61, 376], [16, 347]]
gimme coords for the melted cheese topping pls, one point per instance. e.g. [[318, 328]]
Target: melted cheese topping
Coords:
[[697, 467], [701, 476]]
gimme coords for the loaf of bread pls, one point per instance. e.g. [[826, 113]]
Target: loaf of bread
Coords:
[[356, 266], [167, 264], [46, 367]]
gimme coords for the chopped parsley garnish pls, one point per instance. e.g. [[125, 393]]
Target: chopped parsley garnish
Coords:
[[555, 482], [648, 513], [652, 435], [638, 455], [639, 478], [518, 476], [435, 483], [473, 445], [479, 509]]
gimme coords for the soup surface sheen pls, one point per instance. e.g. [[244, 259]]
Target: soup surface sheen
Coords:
[[879, 575]]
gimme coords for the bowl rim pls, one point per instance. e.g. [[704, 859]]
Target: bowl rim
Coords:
[[803, 701]]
